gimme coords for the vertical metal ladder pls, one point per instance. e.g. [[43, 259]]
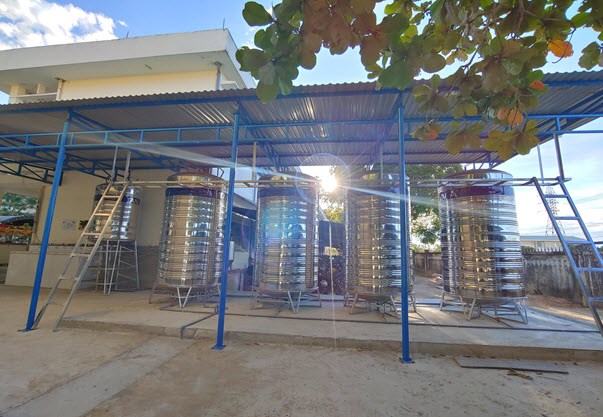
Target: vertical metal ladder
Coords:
[[578, 270], [84, 251], [119, 259]]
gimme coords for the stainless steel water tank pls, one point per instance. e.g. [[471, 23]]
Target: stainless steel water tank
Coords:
[[125, 218], [192, 235], [373, 237], [287, 234], [481, 253]]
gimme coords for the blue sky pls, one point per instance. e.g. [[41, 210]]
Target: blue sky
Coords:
[[39, 22]]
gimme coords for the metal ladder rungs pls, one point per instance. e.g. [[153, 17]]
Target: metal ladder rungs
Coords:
[[589, 241], [111, 197], [91, 234], [102, 214]]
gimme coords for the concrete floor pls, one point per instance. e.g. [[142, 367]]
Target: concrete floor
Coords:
[[546, 337]]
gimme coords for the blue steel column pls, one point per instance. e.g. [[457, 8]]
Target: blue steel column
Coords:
[[47, 225], [223, 281], [404, 239]]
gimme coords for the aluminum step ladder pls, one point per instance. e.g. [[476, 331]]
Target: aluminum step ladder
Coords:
[[547, 197], [84, 251]]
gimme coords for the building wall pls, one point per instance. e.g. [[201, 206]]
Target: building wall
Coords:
[[138, 85], [75, 203], [541, 243]]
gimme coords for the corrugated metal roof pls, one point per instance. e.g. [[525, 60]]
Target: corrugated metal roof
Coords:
[[319, 138]]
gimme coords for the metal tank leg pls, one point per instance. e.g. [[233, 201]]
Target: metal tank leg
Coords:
[[351, 309], [180, 297], [136, 265], [253, 298], [152, 292], [413, 301]]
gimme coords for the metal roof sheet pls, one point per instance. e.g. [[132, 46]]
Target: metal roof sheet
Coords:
[[314, 125]]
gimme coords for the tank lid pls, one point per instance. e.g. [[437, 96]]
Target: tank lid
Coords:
[[480, 174], [193, 176]]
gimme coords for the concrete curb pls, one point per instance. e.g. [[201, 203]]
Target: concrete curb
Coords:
[[427, 348]]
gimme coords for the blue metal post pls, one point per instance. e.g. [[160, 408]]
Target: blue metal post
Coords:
[[224, 280], [47, 225], [404, 240]]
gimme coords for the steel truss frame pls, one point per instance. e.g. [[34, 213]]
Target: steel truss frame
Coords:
[[57, 156]]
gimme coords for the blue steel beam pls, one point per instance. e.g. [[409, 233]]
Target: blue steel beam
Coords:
[[35, 151], [267, 148], [7, 166], [404, 241], [90, 120], [228, 227], [179, 130], [47, 225]]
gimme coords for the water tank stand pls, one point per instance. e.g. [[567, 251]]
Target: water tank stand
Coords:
[[292, 298], [474, 308], [383, 305], [119, 265], [184, 293]]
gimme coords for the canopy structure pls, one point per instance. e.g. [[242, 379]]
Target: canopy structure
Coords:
[[315, 125], [352, 124]]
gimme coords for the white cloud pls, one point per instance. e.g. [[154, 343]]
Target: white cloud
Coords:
[[27, 23]]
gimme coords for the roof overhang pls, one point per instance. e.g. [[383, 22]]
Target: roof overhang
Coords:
[[353, 124], [146, 55]]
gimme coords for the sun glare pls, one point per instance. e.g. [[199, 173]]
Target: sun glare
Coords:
[[329, 184]]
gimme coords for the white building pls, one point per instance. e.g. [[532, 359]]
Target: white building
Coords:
[[547, 242], [159, 64], [172, 63]]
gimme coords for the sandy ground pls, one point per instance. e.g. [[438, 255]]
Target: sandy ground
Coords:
[[76, 372], [273, 380]]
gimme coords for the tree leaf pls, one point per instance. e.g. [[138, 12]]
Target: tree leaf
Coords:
[[561, 49], [396, 75], [308, 59], [267, 92], [395, 24], [433, 62], [470, 109], [590, 56], [255, 14], [454, 144], [421, 90], [267, 72], [252, 59]]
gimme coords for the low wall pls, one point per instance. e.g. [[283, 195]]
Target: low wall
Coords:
[[546, 272], [549, 273], [7, 248], [427, 263], [22, 266]]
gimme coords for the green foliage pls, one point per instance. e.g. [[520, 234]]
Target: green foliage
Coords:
[[425, 216], [498, 47], [17, 205]]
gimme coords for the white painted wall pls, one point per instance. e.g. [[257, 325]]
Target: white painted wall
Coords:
[[74, 203], [76, 198], [138, 85]]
